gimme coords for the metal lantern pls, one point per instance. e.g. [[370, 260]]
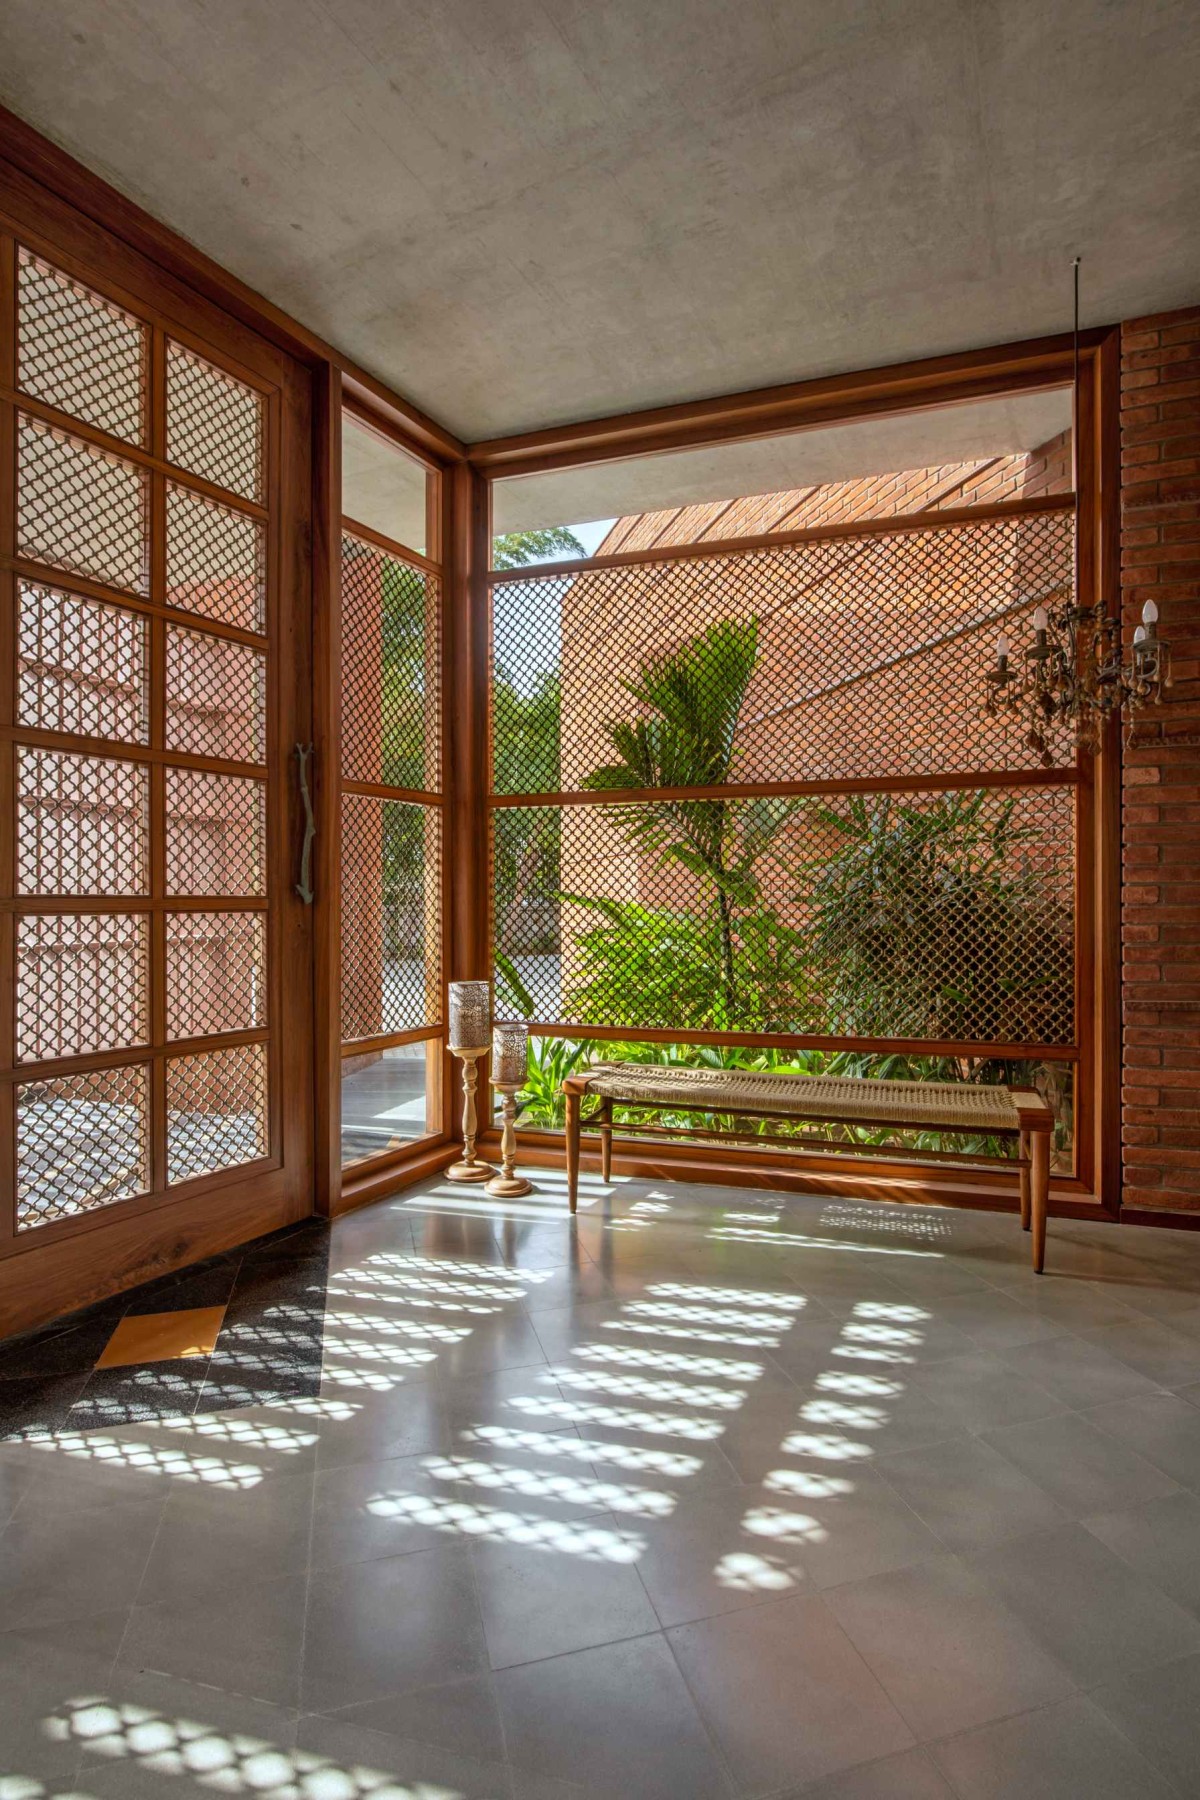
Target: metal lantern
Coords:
[[469, 1024], [470, 1015], [510, 1051]]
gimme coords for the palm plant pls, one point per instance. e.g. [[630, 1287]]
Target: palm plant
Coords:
[[686, 737]]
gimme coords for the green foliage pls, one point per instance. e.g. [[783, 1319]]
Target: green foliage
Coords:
[[513, 549], [642, 965], [926, 924], [686, 736]]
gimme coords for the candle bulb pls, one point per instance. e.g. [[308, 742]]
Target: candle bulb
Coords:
[[1150, 613], [1139, 636], [1041, 619], [1002, 648]]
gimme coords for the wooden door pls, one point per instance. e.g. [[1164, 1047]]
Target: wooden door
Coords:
[[154, 636]]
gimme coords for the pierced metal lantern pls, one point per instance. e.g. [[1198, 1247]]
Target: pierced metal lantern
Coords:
[[470, 1015], [510, 1052], [469, 1025]]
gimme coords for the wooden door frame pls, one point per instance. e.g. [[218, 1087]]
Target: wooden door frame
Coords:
[[70, 1262]]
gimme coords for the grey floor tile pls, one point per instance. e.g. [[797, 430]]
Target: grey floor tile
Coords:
[[210, 1540], [996, 1321], [863, 1527], [911, 1775], [507, 1341], [619, 1719], [247, 1640], [704, 1559], [381, 1627], [1083, 1468], [1159, 1711], [461, 1715], [1079, 1373], [1065, 1752], [1167, 1357], [1163, 1428], [365, 1510], [948, 1652], [980, 1392], [1161, 1540], [1090, 1610], [365, 1426], [154, 1730], [968, 1494], [66, 1566], [785, 1694], [574, 1589], [340, 1756], [38, 1683]]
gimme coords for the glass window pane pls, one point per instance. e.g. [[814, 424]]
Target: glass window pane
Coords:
[[388, 1099], [391, 908], [383, 487], [216, 560], [390, 714], [216, 696], [215, 834], [81, 824], [216, 973]]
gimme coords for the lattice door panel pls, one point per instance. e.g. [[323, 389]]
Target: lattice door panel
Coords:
[[81, 509], [81, 666], [139, 1054], [82, 984], [940, 917], [80, 353], [83, 1141]]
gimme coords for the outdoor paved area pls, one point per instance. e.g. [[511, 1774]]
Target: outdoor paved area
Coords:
[[717, 1492]]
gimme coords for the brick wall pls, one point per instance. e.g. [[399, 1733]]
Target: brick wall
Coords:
[[1046, 470], [1160, 556]]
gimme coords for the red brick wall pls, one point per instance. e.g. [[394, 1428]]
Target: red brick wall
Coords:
[[1046, 470], [1160, 557]]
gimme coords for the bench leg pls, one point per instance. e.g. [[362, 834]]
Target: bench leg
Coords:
[[573, 1105], [1023, 1152], [1040, 1190], [606, 1112]]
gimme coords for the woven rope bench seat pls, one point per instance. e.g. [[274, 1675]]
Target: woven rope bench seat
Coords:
[[828, 1099], [835, 1099]]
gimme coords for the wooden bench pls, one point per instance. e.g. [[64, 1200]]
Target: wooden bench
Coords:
[[824, 1099]]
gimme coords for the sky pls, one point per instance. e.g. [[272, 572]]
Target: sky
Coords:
[[527, 621]]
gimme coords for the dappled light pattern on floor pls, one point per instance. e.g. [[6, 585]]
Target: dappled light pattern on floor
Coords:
[[707, 1494]]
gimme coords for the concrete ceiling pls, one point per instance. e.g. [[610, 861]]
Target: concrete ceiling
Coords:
[[524, 212], [916, 440]]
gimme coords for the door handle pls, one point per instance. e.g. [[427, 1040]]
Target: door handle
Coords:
[[304, 885]]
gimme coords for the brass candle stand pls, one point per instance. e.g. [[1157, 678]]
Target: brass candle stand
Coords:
[[509, 1057], [470, 1009]]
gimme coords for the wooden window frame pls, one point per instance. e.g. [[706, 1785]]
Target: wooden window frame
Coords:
[[936, 383]]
